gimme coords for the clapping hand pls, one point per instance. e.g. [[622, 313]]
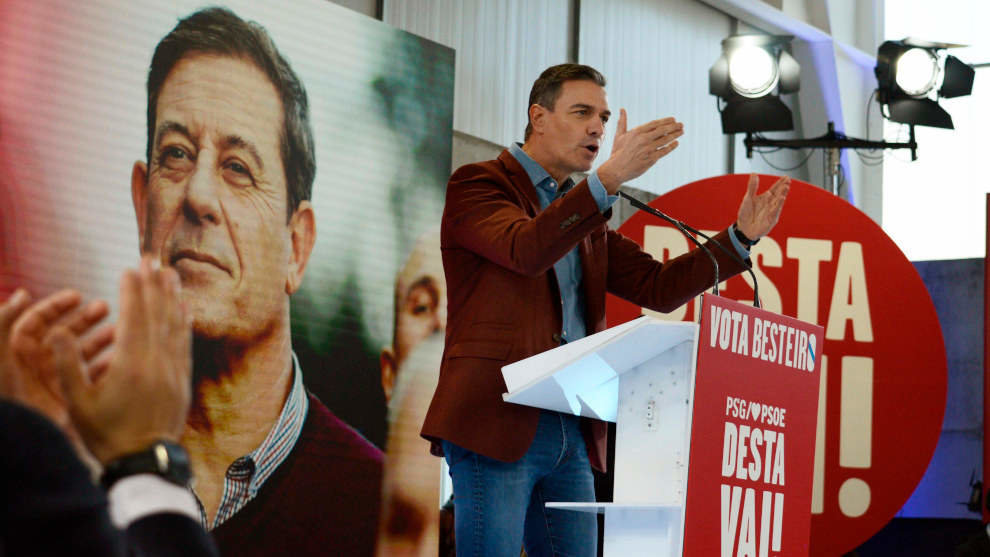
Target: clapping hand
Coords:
[[27, 372], [144, 393]]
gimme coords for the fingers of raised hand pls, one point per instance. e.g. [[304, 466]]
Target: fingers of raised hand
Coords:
[[178, 327], [171, 290], [12, 308], [620, 128], [780, 187], [97, 341], [655, 126], [86, 317], [664, 151], [783, 187], [778, 203], [67, 358], [131, 305], [774, 197], [752, 184], [667, 128], [659, 141], [29, 342], [99, 365], [36, 320], [175, 325], [151, 286]]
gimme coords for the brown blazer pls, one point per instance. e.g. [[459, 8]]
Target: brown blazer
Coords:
[[504, 305]]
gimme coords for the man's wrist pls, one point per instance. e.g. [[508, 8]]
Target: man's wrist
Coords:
[[603, 199], [742, 237], [609, 181], [163, 458]]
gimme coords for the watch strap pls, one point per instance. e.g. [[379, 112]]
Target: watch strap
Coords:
[[163, 458], [742, 237]]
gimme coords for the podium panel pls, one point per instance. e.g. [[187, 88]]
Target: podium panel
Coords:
[[653, 428], [582, 377], [715, 428]]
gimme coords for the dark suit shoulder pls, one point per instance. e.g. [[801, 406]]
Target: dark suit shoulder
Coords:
[[45, 488], [39, 470], [492, 170]]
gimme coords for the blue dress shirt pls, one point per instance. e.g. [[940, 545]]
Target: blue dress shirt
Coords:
[[568, 269]]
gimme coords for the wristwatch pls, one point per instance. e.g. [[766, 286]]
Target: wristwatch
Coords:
[[163, 458], [742, 237]]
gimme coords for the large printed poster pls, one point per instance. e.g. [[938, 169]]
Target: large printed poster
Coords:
[[93, 171]]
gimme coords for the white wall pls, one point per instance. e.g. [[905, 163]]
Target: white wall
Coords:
[[656, 55], [835, 43], [935, 207], [502, 46]]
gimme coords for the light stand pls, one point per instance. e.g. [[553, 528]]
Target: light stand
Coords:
[[833, 142]]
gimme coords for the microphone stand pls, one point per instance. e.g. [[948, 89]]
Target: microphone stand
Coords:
[[687, 230]]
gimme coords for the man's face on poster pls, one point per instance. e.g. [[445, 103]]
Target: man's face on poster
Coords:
[[212, 200], [420, 306]]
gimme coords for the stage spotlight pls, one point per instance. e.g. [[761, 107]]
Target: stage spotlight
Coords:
[[912, 75], [917, 70], [749, 76], [752, 72]]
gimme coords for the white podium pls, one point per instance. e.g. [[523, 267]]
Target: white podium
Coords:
[[639, 375]]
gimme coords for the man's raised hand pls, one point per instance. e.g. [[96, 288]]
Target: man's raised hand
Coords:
[[758, 214], [635, 151], [27, 373], [145, 391]]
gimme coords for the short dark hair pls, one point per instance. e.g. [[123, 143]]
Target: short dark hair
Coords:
[[220, 31], [546, 89]]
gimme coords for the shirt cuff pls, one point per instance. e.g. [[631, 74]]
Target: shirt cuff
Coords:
[[598, 191], [135, 497], [742, 250]]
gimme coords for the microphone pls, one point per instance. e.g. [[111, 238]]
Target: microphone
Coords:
[[680, 226], [685, 229]]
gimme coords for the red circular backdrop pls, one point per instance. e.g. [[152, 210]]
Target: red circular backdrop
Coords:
[[828, 263]]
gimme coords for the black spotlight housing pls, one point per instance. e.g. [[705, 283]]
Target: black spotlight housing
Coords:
[[958, 80], [751, 73], [950, 77]]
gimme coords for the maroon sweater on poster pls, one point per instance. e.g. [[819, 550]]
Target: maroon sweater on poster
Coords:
[[322, 500]]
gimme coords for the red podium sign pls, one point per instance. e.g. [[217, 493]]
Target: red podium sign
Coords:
[[757, 386], [884, 367]]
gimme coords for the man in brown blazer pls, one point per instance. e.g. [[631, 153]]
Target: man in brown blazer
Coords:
[[528, 259]]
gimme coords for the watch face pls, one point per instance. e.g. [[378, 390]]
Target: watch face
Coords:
[[165, 459], [160, 450], [177, 467]]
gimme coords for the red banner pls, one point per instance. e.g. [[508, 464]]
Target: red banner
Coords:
[[883, 358], [753, 431]]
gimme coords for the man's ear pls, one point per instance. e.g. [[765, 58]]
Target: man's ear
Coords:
[[139, 197], [302, 233], [387, 362], [537, 117]]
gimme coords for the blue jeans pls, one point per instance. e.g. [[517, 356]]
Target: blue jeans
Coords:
[[499, 506]]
